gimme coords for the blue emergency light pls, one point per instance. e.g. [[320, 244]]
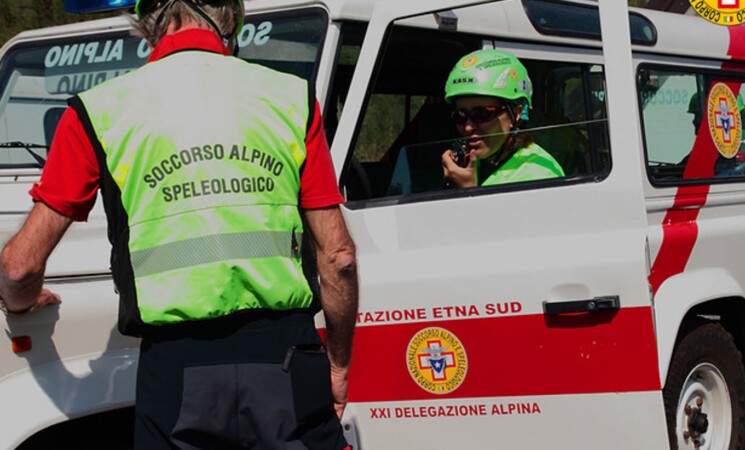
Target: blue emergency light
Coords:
[[92, 6]]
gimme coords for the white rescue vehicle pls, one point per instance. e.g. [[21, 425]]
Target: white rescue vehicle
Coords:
[[601, 310]]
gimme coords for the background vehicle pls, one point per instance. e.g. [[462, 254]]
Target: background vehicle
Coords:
[[590, 311]]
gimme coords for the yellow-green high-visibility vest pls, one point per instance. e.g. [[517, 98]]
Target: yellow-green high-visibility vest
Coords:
[[527, 164], [200, 159]]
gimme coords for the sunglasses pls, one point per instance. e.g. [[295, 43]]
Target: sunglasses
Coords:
[[478, 115]]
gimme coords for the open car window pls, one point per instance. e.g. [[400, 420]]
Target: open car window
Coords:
[[407, 124]]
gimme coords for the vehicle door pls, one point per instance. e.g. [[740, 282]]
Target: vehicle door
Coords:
[[67, 360], [517, 314]]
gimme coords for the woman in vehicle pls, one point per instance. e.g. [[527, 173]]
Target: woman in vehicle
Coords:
[[491, 93]]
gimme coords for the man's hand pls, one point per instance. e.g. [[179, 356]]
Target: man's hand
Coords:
[[457, 176], [24, 258], [337, 269], [46, 297], [339, 388]]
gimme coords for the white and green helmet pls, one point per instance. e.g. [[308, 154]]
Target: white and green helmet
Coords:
[[490, 72]]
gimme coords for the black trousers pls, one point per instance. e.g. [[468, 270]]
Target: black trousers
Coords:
[[238, 384]]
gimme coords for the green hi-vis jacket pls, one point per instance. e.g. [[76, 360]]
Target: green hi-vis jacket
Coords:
[[200, 158], [527, 164]]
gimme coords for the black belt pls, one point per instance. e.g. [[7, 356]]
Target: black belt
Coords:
[[225, 325]]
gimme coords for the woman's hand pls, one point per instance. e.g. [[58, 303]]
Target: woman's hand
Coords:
[[458, 176]]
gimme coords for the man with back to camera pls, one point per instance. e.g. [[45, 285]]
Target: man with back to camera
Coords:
[[209, 167]]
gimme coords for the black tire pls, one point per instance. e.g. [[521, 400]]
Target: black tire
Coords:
[[707, 364]]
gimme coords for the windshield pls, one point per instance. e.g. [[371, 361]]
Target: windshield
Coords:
[[36, 79]]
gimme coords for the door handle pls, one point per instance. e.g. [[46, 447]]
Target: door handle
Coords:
[[597, 304]]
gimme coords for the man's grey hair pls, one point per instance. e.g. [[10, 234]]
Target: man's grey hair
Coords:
[[154, 25]]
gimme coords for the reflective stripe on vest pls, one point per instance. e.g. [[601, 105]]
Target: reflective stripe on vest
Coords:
[[209, 186], [214, 248]]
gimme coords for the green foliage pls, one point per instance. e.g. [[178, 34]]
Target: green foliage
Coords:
[[21, 15], [376, 135]]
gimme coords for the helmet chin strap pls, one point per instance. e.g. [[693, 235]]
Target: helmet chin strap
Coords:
[[163, 10], [193, 6], [505, 150]]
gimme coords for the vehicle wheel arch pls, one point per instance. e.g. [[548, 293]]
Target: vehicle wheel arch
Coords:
[[688, 300], [112, 429], [57, 393]]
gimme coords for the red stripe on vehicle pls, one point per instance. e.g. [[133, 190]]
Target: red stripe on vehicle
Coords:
[[522, 355], [679, 227], [736, 48]]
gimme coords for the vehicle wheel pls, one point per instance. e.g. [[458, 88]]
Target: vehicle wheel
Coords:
[[705, 392]]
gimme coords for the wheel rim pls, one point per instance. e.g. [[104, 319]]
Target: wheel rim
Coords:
[[705, 382]]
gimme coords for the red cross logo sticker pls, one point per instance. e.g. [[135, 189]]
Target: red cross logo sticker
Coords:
[[729, 4], [725, 119], [436, 359]]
